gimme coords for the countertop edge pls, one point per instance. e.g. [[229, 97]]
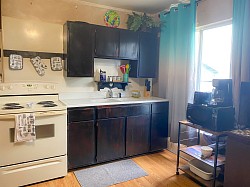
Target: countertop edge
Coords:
[[89, 104]]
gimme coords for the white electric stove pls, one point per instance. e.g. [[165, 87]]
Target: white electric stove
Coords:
[[45, 158]]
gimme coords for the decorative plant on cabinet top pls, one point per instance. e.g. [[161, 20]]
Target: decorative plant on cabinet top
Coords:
[[142, 22]]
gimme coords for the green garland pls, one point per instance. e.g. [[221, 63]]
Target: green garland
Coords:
[[141, 22]]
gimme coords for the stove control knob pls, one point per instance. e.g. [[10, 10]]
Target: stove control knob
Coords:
[[53, 87], [2, 88], [47, 86], [10, 87]]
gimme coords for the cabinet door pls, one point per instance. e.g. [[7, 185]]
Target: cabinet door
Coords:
[[79, 49], [159, 126], [137, 135], [106, 42], [110, 139], [159, 132], [148, 54], [128, 44], [81, 144], [146, 66]]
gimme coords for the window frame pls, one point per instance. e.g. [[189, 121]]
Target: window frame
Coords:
[[200, 30]]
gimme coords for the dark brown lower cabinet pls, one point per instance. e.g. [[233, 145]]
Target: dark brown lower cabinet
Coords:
[[105, 133], [237, 161], [137, 135], [110, 139], [81, 144], [159, 132]]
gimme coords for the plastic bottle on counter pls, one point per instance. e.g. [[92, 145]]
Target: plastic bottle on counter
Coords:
[[102, 76]]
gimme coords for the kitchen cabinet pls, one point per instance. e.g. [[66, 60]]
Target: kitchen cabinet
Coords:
[[137, 136], [103, 133], [138, 129], [110, 139], [106, 42], [105, 112], [110, 132], [115, 43], [159, 126], [78, 47], [237, 159], [128, 45], [83, 42], [81, 137], [146, 65]]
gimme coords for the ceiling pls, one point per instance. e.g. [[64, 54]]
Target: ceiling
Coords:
[[148, 6]]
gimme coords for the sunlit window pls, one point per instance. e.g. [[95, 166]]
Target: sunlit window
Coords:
[[213, 55]]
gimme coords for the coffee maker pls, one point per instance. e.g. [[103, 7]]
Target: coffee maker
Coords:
[[222, 92]]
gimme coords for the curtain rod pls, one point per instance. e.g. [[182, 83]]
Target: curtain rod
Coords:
[[197, 1]]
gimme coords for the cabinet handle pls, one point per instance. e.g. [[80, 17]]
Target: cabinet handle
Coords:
[[117, 51]]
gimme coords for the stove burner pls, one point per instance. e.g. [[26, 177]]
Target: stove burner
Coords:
[[11, 104], [49, 105], [45, 102], [12, 107]]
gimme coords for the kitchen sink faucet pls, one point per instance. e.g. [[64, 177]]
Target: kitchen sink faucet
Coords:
[[110, 93]]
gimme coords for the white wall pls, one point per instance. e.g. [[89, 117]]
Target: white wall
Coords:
[[212, 11], [31, 35]]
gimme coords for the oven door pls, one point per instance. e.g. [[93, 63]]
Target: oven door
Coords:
[[51, 138]]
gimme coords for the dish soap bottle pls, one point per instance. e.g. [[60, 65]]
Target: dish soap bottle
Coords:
[[102, 76]]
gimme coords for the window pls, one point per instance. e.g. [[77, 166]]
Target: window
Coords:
[[213, 55]]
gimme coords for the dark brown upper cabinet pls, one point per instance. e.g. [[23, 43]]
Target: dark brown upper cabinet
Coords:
[[116, 43], [78, 47], [83, 42], [128, 45], [106, 42], [146, 65]]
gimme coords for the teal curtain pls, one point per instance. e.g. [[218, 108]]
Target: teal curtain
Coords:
[[240, 47], [177, 67]]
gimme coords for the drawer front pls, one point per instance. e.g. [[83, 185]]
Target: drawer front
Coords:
[[161, 107], [136, 110], [81, 114], [33, 172], [111, 111]]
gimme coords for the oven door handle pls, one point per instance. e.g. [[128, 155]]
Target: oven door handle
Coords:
[[37, 114]]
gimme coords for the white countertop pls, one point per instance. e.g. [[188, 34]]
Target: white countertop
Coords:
[[85, 102]]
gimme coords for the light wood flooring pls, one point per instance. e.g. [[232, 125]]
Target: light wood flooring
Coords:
[[161, 168]]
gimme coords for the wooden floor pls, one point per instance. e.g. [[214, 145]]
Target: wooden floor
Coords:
[[161, 168]]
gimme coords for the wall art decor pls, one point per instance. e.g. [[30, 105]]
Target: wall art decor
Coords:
[[112, 19], [38, 65], [15, 62], [56, 63]]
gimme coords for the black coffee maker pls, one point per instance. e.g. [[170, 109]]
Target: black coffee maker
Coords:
[[222, 93]]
